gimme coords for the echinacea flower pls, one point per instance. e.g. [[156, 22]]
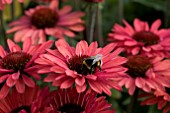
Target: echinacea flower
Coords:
[[3, 2], [69, 101], [47, 20], [17, 67], [141, 39], [42, 103], [19, 103], [161, 98], [67, 67], [145, 73]]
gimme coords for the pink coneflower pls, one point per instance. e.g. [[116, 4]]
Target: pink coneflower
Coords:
[[3, 2], [145, 73], [161, 98], [42, 103], [17, 67], [142, 39], [66, 66], [69, 101], [47, 20], [19, 103]]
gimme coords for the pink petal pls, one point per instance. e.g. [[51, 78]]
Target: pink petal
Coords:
[[94, 85], [72, 15], [17, 28], [161, 66], [44, 46], [4, 91], [76, 27], [12, 45], [146, 49], [57, 69], [135, 50], [42, 37], [50, 78], [4, 77], [81, 48], [28, 81], [129, 83], [27, 44], [56, 60], [10, 82], [128, 28], [67, 83], [65, 52], [54, 4], [20, 86], [130, 43], [5, 70], [80, 81], [44, 70], [70, 22], [108, 48], [65, 10], [115, 62], [71, 73], [2, 52], [16, 75], [139, 25], [105, 88], [139, 82], [155, 25], [62, 42], [132, 90], [68, 33], [80, 88], [92, 48]]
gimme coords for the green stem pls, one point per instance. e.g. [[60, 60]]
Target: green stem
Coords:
[[92, 21], [167, 13], [98, 27], [131, 107], [2, 30], [22, 8], [120, 10], [12, 11], [60, 4]]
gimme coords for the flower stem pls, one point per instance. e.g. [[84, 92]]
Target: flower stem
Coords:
[[12, 11], [91, 24], [22, 8], [120, 10], [167, 13], [131, 107], [2, 30], [98, 27]]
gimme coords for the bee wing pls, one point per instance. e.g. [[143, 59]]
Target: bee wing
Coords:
[[97, 58]]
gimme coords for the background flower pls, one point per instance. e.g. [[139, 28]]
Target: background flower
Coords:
[[145, 73], [19, 103], [17, 67], [69, 101], [47, 20], [141, 39]]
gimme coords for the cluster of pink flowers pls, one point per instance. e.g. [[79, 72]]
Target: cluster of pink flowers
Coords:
[[147, 50], [137, 58]]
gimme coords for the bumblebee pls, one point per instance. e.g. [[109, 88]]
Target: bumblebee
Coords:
[[92, 62]]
